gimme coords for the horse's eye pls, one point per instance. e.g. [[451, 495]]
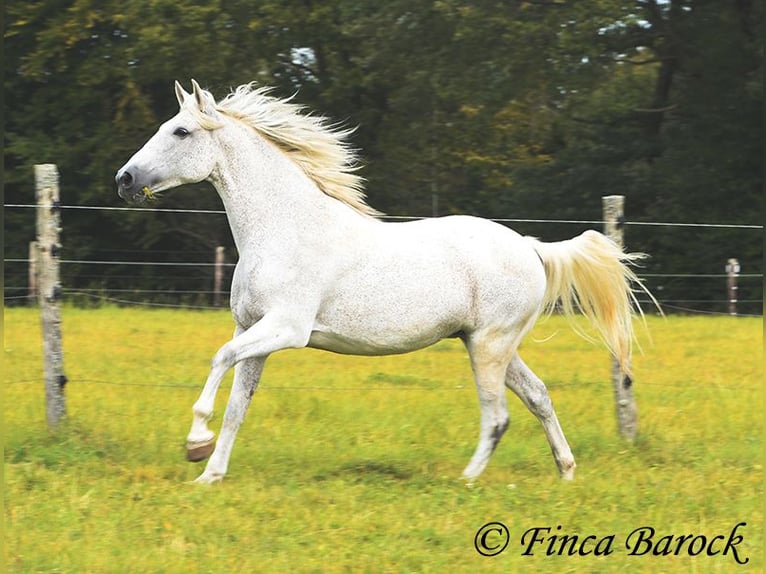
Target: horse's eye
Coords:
[[181, 132]]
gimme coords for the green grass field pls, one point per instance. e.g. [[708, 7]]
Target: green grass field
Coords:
[[349, 464]]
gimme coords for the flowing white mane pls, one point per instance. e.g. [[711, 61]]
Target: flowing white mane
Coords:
[[317, 146]]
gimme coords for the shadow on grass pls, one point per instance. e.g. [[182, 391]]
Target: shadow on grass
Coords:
[[367, 471]]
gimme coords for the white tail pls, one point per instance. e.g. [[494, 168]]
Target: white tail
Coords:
[[591, 274]]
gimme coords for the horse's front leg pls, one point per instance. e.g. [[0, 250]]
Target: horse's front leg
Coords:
[[247, 373], [272, 333], [200, 441]]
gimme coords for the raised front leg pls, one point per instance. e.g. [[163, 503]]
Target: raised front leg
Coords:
[[247, 374], [272, 333], [532, 392]]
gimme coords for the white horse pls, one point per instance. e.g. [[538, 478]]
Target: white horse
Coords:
[[318, 269]]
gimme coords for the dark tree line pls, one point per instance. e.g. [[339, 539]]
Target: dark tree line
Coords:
[[514, 109]]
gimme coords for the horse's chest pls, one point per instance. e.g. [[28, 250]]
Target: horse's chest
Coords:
[[246, 314], [247, 302]]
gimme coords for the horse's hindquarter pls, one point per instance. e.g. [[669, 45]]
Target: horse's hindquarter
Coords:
[[412, 284]]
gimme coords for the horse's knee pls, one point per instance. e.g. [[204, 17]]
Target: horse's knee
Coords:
[[224, 359]]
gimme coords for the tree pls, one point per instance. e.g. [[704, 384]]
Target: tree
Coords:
[[530, 109]]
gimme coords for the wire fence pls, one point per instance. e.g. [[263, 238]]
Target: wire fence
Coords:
[[17, 286], [175, 261], [372, 387]]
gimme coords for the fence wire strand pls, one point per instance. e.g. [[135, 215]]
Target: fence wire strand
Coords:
[[561, 386], [97, 294], [404, 217]]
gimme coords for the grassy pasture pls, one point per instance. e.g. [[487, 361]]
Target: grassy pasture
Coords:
[[351, 464]]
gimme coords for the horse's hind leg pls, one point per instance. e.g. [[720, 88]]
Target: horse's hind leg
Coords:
[[247, 373], [532, 392], [489, 373]]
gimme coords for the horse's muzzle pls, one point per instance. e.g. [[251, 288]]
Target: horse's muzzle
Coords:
[[128, 187]]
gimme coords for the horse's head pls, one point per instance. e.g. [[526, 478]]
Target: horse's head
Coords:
[[182, 151]]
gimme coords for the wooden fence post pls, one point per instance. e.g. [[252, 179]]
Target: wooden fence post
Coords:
[[218, 275], [625, 402], [32, 274], [732, 272], [49, 289]]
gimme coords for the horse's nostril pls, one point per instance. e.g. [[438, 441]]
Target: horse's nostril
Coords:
[[125, 180]]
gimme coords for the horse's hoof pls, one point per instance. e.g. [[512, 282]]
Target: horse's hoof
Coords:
[[206, 478], [198, 451]]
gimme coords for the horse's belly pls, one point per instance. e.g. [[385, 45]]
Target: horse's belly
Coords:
[[345, 345], [391, 321]]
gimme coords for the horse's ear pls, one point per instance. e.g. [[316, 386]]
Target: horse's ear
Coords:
[[205, 100], [181, 94]]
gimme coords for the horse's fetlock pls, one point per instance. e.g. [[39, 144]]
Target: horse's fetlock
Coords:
[[202, 414]]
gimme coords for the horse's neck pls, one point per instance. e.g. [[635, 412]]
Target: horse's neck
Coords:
[[267, 196]]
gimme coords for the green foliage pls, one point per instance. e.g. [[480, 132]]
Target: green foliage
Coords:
[[349, 464], [524, 109]]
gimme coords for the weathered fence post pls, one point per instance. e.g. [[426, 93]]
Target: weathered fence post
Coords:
[[218, 276], [32, 274], [627, 412], [732, 272], [49, 289]]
